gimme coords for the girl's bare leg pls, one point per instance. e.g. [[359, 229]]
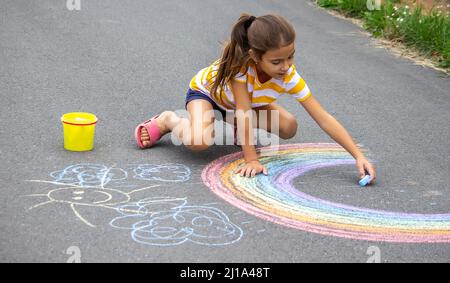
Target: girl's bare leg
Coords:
[[287, 123], [196, 133]]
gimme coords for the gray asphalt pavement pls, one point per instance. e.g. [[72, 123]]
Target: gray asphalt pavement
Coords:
[[126, 61]]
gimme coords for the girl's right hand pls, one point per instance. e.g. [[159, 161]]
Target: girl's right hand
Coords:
[[251, 168]]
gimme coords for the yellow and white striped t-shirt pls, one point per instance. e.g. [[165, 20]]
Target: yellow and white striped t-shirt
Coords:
[[261, 93]]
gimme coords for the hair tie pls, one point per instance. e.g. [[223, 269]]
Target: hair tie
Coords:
[[249, 21]]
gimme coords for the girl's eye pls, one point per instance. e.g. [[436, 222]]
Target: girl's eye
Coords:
[[278, 62]]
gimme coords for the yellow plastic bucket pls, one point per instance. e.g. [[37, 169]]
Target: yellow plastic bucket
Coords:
[[79, 129]]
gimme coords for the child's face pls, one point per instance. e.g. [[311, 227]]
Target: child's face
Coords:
[[276, 62]]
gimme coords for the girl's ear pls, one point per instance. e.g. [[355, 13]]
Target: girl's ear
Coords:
[[252, 55]]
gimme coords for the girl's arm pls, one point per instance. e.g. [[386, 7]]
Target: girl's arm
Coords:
[[245, 129], [338, 133]]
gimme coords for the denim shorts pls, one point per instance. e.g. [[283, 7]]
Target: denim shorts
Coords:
[[194, 94]]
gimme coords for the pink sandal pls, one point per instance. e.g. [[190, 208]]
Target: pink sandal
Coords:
[[152, 129]]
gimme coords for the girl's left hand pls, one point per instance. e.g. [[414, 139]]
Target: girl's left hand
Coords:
[[364, 166], [251, 168]]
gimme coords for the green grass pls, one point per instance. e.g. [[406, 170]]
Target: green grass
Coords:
[[428, 34]]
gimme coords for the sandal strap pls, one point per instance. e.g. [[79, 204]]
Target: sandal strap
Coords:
[[152, 130]]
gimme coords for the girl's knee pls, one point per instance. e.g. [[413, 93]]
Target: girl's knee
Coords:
[[200, 141], [289, 128]]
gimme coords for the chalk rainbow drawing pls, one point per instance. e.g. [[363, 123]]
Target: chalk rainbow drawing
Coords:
[[168, 221], [275, 199]]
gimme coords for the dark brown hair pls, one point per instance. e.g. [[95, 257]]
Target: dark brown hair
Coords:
[[258, 33]]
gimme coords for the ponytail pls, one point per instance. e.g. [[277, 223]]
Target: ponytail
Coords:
[[234, 56]]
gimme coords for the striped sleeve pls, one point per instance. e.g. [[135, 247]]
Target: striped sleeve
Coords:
[[298, 88], [241, 76]]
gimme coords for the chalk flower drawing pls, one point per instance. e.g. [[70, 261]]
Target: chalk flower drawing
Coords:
[[153, 221], [169, 221]]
